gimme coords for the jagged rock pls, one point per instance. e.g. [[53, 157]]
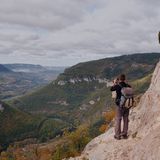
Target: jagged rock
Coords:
[[92, 102], [102, 80], [84, 107], [109, 84], [85, 79], [61, 102], [72, 81], [144, 132], [1, 108], [98, 99], [61, 83]]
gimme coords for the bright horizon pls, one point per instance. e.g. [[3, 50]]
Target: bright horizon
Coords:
[[79, 61]]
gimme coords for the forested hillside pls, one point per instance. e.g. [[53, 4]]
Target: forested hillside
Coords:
[[77, 97]]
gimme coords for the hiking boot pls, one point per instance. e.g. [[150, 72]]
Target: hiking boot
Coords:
[[124, 136], [117, 137]]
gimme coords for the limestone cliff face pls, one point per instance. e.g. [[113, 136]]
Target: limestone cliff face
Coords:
[[144, 132]]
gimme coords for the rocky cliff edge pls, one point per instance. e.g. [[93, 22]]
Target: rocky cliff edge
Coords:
[[144, 132]]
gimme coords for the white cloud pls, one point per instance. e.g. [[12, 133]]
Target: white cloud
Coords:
[[58, 32]]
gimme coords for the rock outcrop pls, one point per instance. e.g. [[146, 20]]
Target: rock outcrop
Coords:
[[85, 79], [144, 132]]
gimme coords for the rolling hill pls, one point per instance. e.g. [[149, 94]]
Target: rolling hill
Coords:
[[20, 67], [134, 66], [3, 69], [83, 88], [76, 97], [72, 86], [16, 125], [19, 79], [79, 96]]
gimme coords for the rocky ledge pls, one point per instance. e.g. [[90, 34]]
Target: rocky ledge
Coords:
[[144, 132]]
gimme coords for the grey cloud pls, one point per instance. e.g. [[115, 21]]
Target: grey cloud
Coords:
[[46, 14], [74, 30]]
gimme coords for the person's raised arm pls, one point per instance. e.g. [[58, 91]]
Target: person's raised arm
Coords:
[[114, 87]]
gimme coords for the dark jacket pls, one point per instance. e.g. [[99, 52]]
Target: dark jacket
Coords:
[[118, 88]]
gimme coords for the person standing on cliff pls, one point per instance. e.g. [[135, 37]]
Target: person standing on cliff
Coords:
[[121, 112]]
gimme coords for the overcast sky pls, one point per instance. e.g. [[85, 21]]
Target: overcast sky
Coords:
[[65, 32]]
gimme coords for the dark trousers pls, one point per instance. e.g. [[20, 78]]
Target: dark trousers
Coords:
[[121, 113]]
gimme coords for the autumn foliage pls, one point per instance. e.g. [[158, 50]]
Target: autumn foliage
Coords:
[[108, 116]]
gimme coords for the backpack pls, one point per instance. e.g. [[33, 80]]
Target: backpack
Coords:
[[127, 97]]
